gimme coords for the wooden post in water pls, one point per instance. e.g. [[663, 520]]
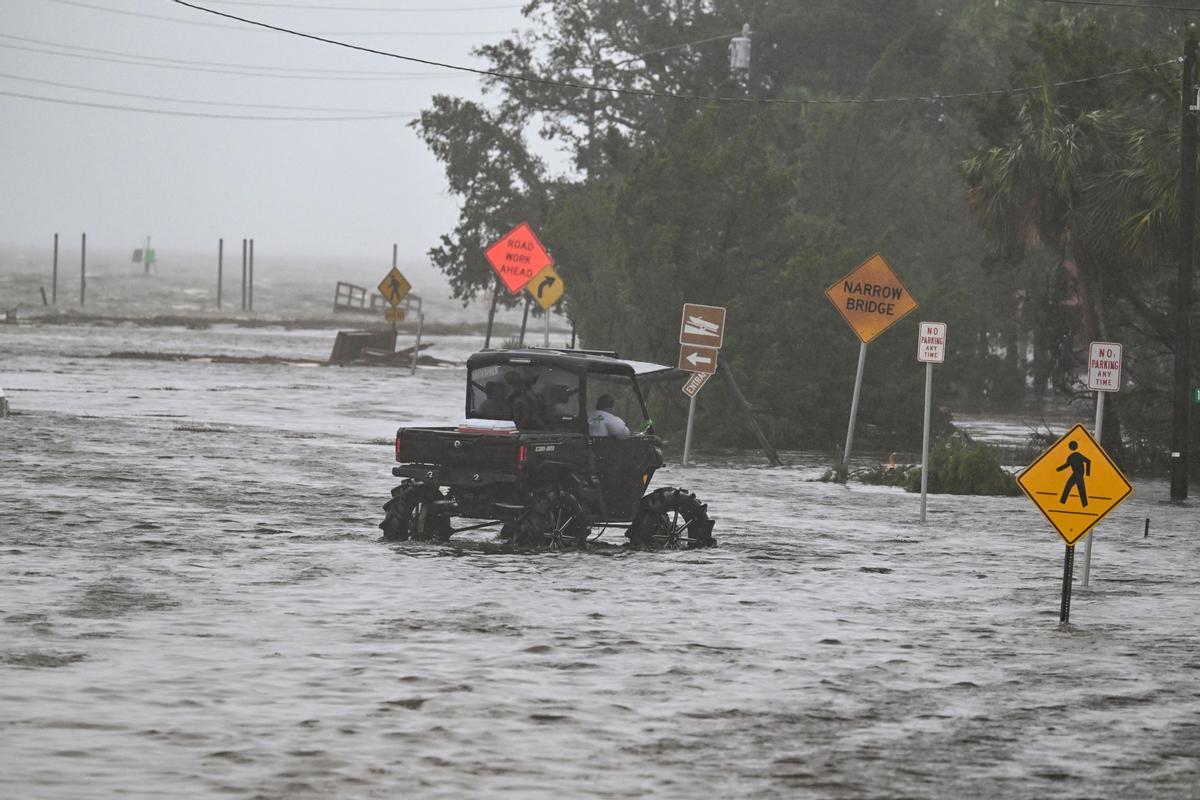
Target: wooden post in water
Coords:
[[245, 244], [487, 340], [220, 268], [54, 278], [772, 456], [250, 285], [83, 271]]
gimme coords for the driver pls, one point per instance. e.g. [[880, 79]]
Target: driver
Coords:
[[603, 422]]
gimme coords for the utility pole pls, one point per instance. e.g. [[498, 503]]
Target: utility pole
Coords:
[[1180, 439]]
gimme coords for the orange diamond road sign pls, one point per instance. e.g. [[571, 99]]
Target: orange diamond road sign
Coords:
[[517, 256], [871, 298], [546, 287], [698, 359], [703, 326], [394, 287], [1074, 484]]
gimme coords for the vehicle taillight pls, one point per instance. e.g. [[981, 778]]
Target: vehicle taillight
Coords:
[[522, 457], [397, 445]]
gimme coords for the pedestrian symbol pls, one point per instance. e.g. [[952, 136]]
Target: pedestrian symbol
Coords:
[[394, 287], [1080, 466], [1074, 484]]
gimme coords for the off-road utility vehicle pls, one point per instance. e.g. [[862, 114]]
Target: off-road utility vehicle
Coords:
[[524, 459]]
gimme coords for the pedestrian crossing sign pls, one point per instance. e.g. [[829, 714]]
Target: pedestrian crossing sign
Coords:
[[1074, 484], [394, 287]]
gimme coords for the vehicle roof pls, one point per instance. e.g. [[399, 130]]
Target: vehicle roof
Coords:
[[574, 360]]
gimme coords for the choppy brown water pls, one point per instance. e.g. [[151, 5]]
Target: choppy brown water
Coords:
[[194, 603]]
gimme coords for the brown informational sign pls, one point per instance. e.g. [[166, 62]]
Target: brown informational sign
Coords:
[[702, 326], [1074, 484], [695, 383], [517, 256], [394, 287], [871, 298], [698, 359]]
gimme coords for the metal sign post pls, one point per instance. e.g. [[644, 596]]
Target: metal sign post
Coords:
[[871, 299], [417, 350], [701, 334], [1104, 375], [931, 349], [691, 389], [1075, 484], [858, 377]]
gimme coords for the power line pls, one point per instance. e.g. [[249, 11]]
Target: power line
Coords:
[[1148, 7], [378, 9], [307, 71], [167, 113], [542, 81], [322, 77], [206, 102], [160, 17]]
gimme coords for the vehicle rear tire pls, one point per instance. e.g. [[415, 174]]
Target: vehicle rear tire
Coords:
[[412, 515], [671, 519], [553, 521]]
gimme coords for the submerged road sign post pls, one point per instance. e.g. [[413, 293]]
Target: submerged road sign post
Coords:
[[1075, 485], [701, 334], [871, 299], [931, 349], [1104, 375]]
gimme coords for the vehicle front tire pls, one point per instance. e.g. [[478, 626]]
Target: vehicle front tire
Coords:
[[671, 519]]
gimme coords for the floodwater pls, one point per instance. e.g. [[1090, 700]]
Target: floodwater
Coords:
[[194, 602]]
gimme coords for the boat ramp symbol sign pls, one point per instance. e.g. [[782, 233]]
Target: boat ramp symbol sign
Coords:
[[517, 256], [871, 298], [703, 326], [698, 359], [394, 287], [1074, 484], [546, 288]]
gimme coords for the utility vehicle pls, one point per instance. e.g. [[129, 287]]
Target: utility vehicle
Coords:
[[548, 483]]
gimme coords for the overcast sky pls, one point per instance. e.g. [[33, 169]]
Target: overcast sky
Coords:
[[309, 187]]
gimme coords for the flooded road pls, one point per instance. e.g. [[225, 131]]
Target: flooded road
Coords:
[[195, 603]]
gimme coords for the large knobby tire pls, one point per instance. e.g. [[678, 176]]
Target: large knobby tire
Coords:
[[671, 519], [411, 515], [554, 520]]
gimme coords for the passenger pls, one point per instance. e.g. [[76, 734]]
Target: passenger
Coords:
[[604, 422], [560, 403], [526, 411], [493, 406]]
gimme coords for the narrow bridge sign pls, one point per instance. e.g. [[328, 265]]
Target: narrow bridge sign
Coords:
[[871, 298]]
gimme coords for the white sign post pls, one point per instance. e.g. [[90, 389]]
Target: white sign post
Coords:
[[931, 349], [701, 334], [1104, 375]]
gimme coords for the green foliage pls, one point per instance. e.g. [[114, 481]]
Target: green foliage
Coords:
[[759, 207], [958, 465]]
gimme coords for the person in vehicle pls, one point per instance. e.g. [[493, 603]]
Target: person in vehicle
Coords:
[[493, 407], [526, 410], [603, 422], [560, 402]]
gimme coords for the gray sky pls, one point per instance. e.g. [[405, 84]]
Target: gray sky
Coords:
[[317, 187]]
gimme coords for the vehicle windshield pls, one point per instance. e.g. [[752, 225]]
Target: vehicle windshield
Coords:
[[543, 397], [626, 403]]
